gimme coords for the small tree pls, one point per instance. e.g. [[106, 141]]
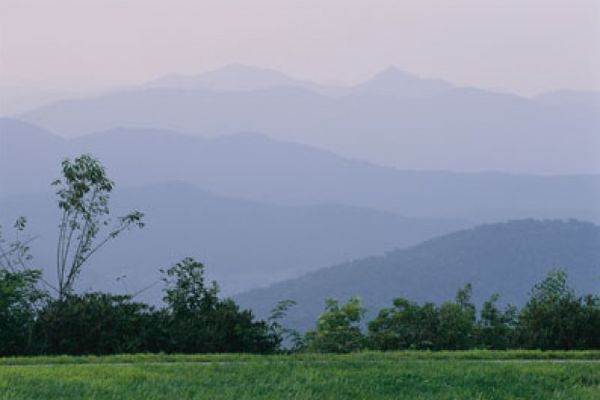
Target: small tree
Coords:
[[83, 196], [338, 328], [20, 296], [278, 313], [496, 327], [457, 322], [199, 322], [186, 292], [14, 255], [20, 299], [554, 318], [407, 325]]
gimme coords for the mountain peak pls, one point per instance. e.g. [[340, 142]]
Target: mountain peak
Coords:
[[394, 81]]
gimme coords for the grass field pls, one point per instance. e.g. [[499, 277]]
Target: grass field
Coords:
[[404, 375]]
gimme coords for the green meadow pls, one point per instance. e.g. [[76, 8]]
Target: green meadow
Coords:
[[396, 375]]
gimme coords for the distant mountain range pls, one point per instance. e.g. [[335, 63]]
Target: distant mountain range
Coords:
[[244, 244], [394, 119], [231, 78], [15, 99], [254, 167], [265, 178], [237, 77], [506, 258]]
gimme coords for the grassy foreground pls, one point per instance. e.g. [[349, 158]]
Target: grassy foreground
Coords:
[[402, 375]]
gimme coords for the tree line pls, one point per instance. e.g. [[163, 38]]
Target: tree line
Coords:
[[38, 316], [193, 319], [553, 318]]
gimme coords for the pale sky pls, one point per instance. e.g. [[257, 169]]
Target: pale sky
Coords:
[[520, 46]]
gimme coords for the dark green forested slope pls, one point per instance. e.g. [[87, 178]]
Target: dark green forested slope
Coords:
[[507, 258]]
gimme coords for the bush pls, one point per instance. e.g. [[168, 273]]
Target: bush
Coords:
[[96, 323], [19, 302], [199, 322], [338, 328], [554, 318]]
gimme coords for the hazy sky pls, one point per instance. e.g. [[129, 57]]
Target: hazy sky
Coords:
[[523, 46]]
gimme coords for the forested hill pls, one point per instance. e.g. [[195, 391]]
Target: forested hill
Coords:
[[507, 258]]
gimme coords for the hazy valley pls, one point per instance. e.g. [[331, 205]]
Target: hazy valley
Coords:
[[270, 181]]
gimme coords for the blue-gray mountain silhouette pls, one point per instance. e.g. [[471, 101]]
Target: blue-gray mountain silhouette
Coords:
[[506, 258], [244, 244], [254, 167], [394, 119]]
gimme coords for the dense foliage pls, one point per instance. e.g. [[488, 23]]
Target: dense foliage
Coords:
[[19, 302], [338, 329], [554, 318], [195, 320]]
